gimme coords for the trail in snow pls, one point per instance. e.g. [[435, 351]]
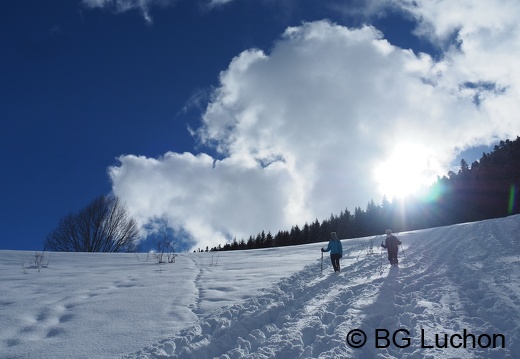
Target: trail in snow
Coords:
[[102, 305], [269, 303], [448, 282]]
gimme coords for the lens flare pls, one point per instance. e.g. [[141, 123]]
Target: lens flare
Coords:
[[512, 199]]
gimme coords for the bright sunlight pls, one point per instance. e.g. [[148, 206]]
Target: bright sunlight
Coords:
[[406, 171]]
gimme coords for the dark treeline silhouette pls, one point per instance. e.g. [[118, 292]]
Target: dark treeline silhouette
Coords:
[[487, 189]]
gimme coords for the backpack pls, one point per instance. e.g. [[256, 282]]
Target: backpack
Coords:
[[394, 242]]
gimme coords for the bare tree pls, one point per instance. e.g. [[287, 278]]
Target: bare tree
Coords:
[[102, 226]]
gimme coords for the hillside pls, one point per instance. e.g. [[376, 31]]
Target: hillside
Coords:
[[458, 283]]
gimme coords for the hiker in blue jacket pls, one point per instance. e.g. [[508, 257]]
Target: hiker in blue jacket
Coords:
[[336, 251]]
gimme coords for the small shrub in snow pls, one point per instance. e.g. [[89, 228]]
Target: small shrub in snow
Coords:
[[370, 246], [214, 258], [149, 256], [40, 261], [164, 250]]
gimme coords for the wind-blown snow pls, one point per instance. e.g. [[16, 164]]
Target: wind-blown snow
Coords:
[[271, 303]]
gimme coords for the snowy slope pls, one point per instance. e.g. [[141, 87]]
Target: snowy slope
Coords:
[[458, 282]]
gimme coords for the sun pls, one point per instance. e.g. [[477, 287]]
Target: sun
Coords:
[[407, 170]]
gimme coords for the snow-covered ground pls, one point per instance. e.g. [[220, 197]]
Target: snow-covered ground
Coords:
[[459, 284]]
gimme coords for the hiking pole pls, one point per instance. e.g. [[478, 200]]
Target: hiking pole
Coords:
[[381, 265], [321, 262]]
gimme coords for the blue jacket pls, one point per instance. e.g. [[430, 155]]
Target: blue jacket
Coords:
[[334, 247]]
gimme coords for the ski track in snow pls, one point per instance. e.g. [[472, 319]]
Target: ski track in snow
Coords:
[[444, 285]]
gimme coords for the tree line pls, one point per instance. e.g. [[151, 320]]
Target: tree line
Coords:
[[486, 189]]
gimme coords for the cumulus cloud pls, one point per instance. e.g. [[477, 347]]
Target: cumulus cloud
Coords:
[[200, 198], [320, 122]]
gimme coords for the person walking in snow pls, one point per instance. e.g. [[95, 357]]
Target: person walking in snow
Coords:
[[392, 246], [336, 251]]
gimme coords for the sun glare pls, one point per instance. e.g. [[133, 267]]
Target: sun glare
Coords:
[[406, 171]]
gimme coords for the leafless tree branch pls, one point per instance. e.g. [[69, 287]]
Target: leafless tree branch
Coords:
[[102, 226]]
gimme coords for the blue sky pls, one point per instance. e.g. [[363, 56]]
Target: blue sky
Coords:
[[225, 118]]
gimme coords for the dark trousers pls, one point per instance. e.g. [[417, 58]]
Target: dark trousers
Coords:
[[392, 256], [334, 258]]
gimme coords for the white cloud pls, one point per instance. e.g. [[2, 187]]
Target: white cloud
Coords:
[[201, 198], [144, 6], [218, 2], [488, 46], [120, 6], [303, 129]]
